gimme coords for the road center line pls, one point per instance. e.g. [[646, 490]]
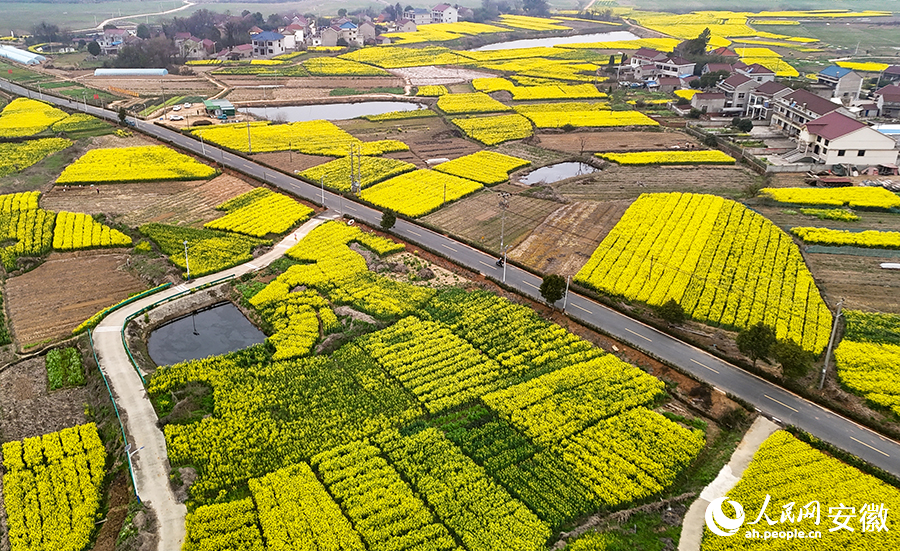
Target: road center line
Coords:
[[485, 264], [703, 365], [638, 334], [349, 207], [868, 446], [532, 285], [785, 405], [449, 247], [580, 308], [415, 233]]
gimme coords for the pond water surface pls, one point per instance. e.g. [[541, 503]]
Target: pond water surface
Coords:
[[557, 172], [330, 111], [556, 40], [219, 329]]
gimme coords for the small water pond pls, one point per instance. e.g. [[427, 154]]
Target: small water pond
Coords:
[[557, 172], [219, 329], [556, 40], [330, 111]]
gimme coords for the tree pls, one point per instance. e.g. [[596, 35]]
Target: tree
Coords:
[[536, 7], [745, 125], [671, 311], [696, 46], [143, 31], [388, 219], [342, 12], [795, 362], [756, 342], [122, 114], [94, 48], [553, 288]]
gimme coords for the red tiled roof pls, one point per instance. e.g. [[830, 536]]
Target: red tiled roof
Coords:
[[736, 80], [814, 103], [759, 69], [833, 125], [723, 51], [771, 88]]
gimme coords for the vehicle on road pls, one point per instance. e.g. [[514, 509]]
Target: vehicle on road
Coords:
[[176, 108], [176, 118]]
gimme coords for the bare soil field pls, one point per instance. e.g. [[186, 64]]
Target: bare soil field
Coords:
[[180, 203], [168, 85], [54, 298], [537, 155], [858, 280], [431, 74], [565, 240], [628, 182], [477, 217], [591, 142], [427, 138], [248, 88], [28, 409]]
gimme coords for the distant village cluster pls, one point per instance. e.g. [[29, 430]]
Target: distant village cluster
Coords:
[[822, 117], [297, 33]]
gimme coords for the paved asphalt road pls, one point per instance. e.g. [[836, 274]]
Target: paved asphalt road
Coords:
[[768, 398]]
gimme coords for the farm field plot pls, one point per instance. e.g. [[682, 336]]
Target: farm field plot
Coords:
[[428, 138], [564, 241], [477, 218], [192, 203], [614, 141], [726, 265], [28, 407], [621, 182], [803, 475], [868, 357], [68, 288]]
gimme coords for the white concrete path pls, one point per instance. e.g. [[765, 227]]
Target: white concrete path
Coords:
[[694, 520], [150, 462]]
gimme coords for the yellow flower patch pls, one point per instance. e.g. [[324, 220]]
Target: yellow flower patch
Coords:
[[51, 488], [866, 66], [19, 156], [871, 197], [557, 115], [869, 238], [336, 174], [538, 92], [699, 157], [76, 230], [477, 102], [335, 66], [532, 23], [27, 117], [390, 57], [686, 94], [260, 212], [487, 167], [781, 67], [432, 90], [134, 164], [310, 137], [756, 52], [495, 130], [418, 193]]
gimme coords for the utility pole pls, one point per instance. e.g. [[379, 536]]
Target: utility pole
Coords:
[[834, 327], [355, 166], [202, 145], [504, 204], [566, 296], [249, 143], [322, 182], [186, 263]]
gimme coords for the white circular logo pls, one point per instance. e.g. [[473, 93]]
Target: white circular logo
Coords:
[[720, 523]]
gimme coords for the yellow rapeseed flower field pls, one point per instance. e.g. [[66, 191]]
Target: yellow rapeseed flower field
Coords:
[[418, 193], [681, 157], [26, 117], [134, 164], [495, 130]]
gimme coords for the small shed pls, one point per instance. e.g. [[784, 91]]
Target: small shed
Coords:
[[216, 107]]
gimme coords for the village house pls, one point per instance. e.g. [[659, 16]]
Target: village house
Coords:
[[406, 26], [444, 13], [842, 82], [837, 139], [267, 44], [737, 90], [419, 16], [761, 100], [887, 99], [794, 110], [756, 72], [708, 102], [111, 40]]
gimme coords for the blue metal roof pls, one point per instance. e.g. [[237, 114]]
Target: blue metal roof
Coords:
[[348, 25], [267, 36], [834, 71]]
